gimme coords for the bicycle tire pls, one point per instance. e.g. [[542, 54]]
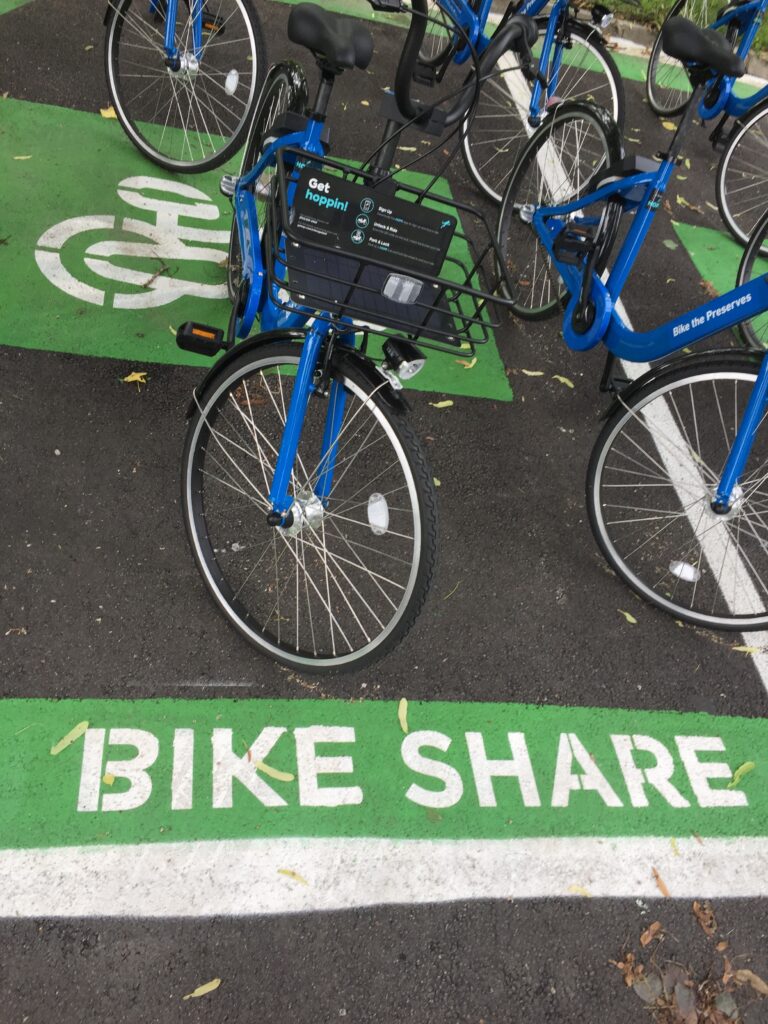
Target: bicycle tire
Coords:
[[666, 82], [284, 91], [188, 120], [741, 184], [439, 43], [228, 457], [660, 534], [495, 132], [754, 264], [537, 291]]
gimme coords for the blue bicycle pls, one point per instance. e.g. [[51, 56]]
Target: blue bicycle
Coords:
[[572, 62], [307, 499], [677, 486], [184, 77], [741, 184]]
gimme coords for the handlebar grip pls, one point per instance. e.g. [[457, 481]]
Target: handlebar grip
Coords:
[[408, 59]]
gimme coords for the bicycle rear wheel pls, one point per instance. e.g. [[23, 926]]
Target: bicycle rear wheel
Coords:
[[194, 118], [651, 480], [667, 85], [754, 264], [496, 132], [348, 584], [285, 90], [557, 166], [741, 185]]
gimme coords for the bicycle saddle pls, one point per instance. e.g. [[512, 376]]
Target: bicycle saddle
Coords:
[[681, 39], [334, 39]]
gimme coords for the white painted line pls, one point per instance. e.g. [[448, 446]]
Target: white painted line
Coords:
[[237, 877]]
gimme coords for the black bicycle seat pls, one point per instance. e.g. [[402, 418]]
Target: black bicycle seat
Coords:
[[335, 39], [681, 39]]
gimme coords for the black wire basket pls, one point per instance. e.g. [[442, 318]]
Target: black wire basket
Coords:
[[397, 260]]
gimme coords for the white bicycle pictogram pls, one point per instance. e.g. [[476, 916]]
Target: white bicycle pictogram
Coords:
[[165, 241]]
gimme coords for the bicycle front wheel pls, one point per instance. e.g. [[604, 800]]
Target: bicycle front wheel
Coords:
[[651, 481], [667, 85], [557, 166], [495, 133], [347, 581], [741, 185], [193, 118]]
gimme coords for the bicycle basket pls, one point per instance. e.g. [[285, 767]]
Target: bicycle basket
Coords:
[[393, 258]]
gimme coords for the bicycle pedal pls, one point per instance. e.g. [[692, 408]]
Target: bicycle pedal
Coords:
[[228, 184], [205, 341]]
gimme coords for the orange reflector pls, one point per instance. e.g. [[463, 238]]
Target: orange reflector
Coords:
[[203, 334]]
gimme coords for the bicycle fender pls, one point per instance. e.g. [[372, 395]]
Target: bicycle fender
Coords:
[[257, 341], [658, 370]]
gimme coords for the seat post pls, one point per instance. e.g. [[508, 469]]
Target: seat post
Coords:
[[324, 90]]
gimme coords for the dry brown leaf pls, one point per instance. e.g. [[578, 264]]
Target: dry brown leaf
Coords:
[[705, 915], [745, 977], [661, 884], [709, 289], [721, 946], [652, 932], [632, 971]]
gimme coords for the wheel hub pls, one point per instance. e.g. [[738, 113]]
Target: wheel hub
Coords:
[[307, 511], [734, 508]]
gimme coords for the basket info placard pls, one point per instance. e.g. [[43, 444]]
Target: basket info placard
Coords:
[[372, 227]]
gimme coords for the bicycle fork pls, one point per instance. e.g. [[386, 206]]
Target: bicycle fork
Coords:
[[724, 498], [309, 501]]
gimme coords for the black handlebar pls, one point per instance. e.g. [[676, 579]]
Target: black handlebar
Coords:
[[515, 32]]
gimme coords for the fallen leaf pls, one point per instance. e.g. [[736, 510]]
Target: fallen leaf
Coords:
[[452, 592], [402, 714], [108, 779], [742, 649], [364, 103], [709, 289], [273, 773], [632, 972], [72, 735], [682, 177], [16, 631], [745, 977], [108, 112], [687, 164], [563, 380], [670, 280], [467, 363], [721, 946], [670, 244], [669, 125], [648, 989], [442, 405], [137, 377], [705, 915], [23, 157], [673, 844], [660, 883], [293, 874], [579, 890], [630, 618], [203, 990], [533, 373], [651, 933], [741, 771], [712, 206], [435, 481], [89, 47]]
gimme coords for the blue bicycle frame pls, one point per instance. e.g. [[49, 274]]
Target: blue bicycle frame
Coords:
[[641, 194], [273, 317]]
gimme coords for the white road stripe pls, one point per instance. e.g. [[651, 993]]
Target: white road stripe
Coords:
[[237, 877]]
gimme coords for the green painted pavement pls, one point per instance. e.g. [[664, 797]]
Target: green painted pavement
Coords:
[[6, 6], [145, 771], [104, 254], [715, 254]]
